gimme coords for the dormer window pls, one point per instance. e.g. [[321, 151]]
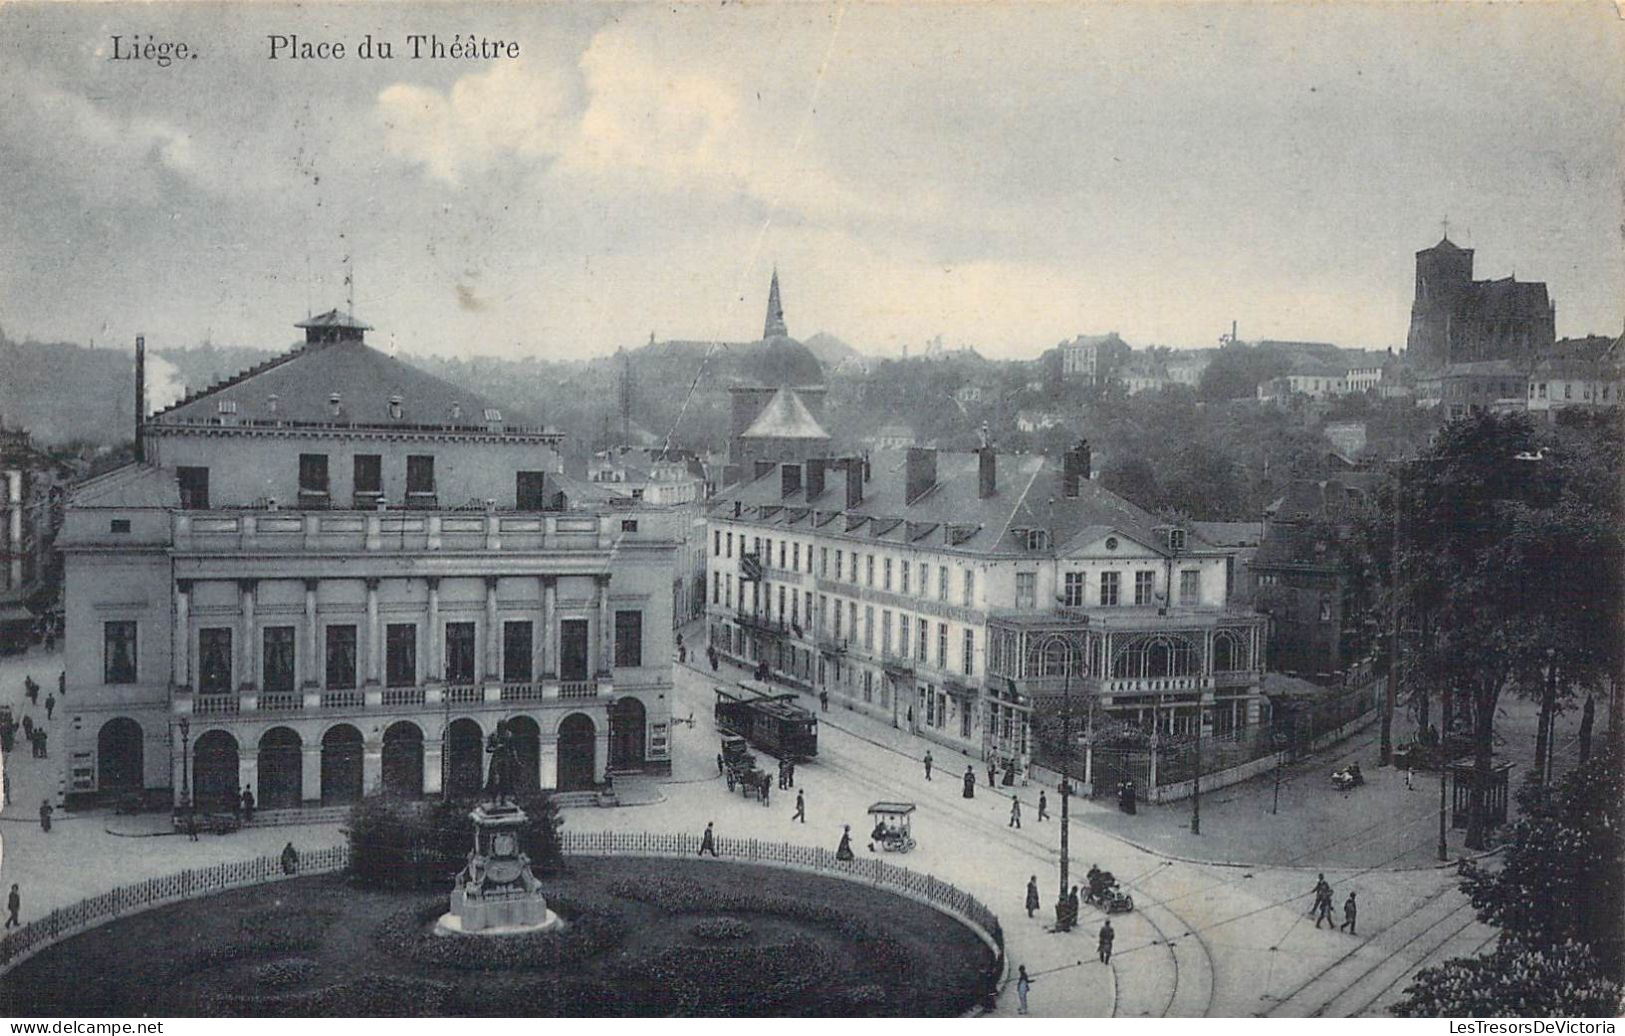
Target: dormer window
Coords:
[[227, 406], [493, 414], [1176, 539], [457, 411], [335, 403], [395, 407], [273, 402], [1037, 539]]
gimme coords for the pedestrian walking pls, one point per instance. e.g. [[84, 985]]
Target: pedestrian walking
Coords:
[[1043, 806], [31, 689], [28, 727], [790, 774], [1349, 912], [14, 903], [970, 781], [1106, 937], [801, 809], [781, 774], [290, 859], [928, 764], [823, 700], [844, 850], [1032, 895], [711, 656], [41, 749], [50, 705], [762, 789], [708, 841], [1408, 785], [719, 764], [45, 812], [62, 684], [1322, 909], [1015, 813], [992, 774], [191, 823], [248, 804], [1024, 985]]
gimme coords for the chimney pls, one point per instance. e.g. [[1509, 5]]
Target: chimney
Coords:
[[789, 479], [987, 479], [140, 394], [866, 465], [854, 481], [920, 473], [815, 478], [1075, 466]]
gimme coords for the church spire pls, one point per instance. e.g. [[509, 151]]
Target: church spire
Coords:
[[774, 326]]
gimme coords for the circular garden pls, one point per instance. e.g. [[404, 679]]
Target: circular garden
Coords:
[[643, 937]]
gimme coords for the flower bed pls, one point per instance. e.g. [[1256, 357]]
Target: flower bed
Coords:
[[589, 930], [720, 929]]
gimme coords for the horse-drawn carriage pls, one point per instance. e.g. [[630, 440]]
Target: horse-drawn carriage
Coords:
[[739, 766], [894, 828]]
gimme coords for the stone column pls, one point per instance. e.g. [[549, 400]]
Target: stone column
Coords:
[[248, 665], [433, 760], [550, 761], [180, 663], [248, 769], [375, 637], [600, 754], [313, 637], [372, 766], [493, 634], [606, 629], [550, 627], [432, 642], [538, 641], [311, 772]]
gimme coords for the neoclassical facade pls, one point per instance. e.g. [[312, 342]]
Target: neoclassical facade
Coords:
[[334, 575]]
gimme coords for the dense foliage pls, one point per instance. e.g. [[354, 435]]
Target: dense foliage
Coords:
[[1516, 981], [396, 844]]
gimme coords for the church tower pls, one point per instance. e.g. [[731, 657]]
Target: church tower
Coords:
[[774, 327], [1444, 288]]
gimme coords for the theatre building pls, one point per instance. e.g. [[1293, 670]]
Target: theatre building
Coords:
[[334, 574]]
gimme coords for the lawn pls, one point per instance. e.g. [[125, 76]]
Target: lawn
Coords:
[[643, 938]]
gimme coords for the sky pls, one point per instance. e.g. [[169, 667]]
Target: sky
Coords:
[[1001, 175]]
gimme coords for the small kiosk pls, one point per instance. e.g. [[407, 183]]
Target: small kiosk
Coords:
[[1463, 779]]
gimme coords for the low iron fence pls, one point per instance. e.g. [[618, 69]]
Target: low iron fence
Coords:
[[124, 900]]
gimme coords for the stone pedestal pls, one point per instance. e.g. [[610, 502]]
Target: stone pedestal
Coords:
[[496, 892]]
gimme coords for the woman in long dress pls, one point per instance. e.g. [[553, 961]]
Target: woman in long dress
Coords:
[[845, 850]]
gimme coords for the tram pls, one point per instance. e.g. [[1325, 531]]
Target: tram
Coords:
[[772, 723]]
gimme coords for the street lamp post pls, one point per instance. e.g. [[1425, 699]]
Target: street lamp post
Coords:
[[1196, 785], [186, 758], [1044, 646]]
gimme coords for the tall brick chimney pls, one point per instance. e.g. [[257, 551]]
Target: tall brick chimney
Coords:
[[987, 479], [854, 481], [1075, 468], [815, 477], [140, 394], [920, 473]]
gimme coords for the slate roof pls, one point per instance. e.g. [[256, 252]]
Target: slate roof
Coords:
[[304, 379], [1026, 485], [785, 417], [333, 318], [133, 485]]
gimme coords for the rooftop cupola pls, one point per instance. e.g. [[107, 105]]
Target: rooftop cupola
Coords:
[[333, 326]]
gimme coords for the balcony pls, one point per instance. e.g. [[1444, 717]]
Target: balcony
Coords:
[[578, 688], [762, 624], [343, 699], [833, 645], [398, 696], [215, 704], [281, 701], [522, 692], [464, 694], [388, 532]]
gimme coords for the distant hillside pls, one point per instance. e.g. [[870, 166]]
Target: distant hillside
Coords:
[[829, 349], [62, 392]]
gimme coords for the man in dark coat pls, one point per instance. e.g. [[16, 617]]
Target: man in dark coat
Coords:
[[801, 809], [41, 748], [1349, 912], [1032, 895], [248, 804], [290, 859], [823, 700], [50, 705], [45, 811], [970, 782], [1106, 938], [992, 774], [708, 841], [1322, 910], [928, 764], [711, 656], [1043, 806], [14, 903]]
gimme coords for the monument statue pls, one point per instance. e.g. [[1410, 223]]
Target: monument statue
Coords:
[[495, 893]]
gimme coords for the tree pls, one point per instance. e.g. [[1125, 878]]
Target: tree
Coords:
[[1237, 370], [1516, 981], [1557, 898], [1505, 552]]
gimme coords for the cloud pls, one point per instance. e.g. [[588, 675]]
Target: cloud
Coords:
[[507, 112]]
